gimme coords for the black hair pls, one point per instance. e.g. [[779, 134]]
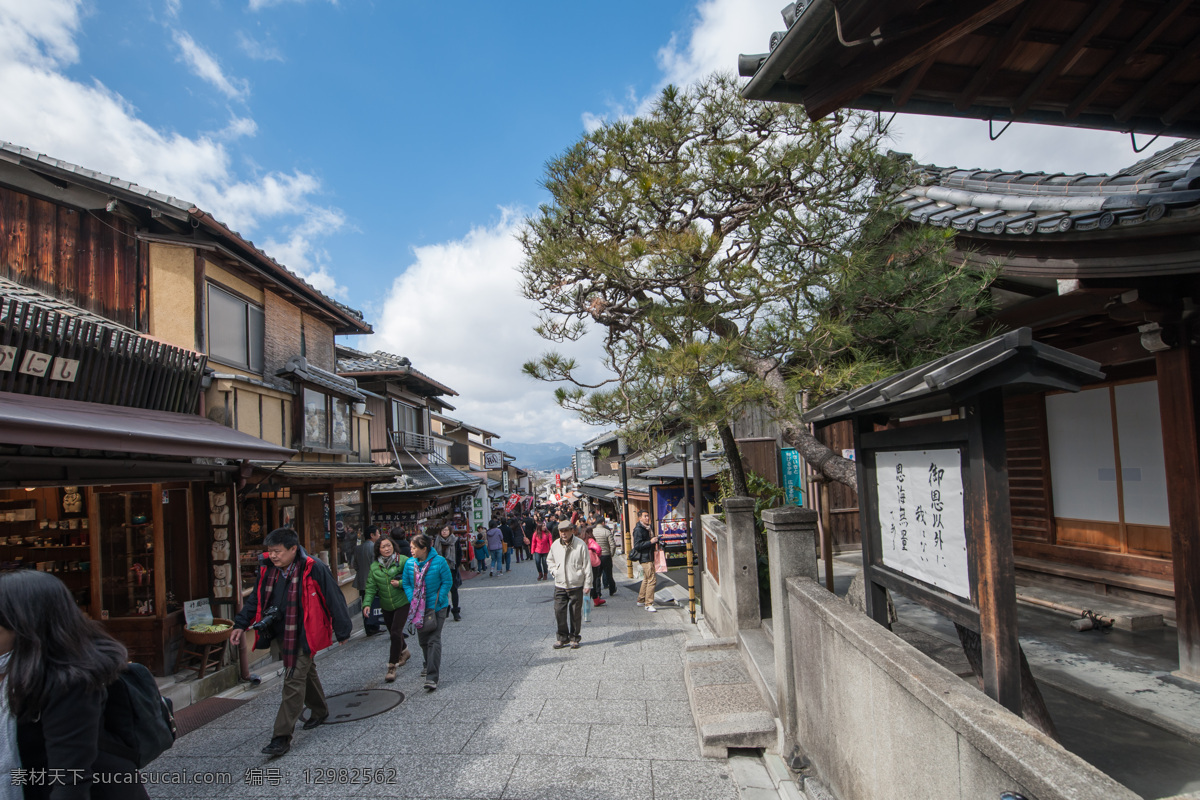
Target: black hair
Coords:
[[282, 536], [421, 540], [372, 530], [55, 647], [381, 540]]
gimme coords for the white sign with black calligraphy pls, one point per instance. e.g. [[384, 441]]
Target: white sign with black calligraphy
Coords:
[[921, 517]]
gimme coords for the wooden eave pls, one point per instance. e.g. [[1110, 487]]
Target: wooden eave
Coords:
[[1121, 65]]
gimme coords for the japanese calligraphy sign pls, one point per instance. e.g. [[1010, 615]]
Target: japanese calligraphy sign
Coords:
[[793, 480], [921, 517]]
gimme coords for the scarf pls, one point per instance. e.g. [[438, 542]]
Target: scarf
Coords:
[[416, 614], [387, 562], [289, 645]]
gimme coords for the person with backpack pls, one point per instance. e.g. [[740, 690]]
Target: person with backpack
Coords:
[[58, 667], [296, 608], [481, 549], [383, 583]]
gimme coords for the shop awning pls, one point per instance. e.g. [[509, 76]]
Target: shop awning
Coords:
[[669, 472], [328, 472], [71, 425]]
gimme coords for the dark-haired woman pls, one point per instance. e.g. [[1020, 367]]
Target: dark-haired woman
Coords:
[[427, 581], [541, 546], [59, 665], [383, 581]]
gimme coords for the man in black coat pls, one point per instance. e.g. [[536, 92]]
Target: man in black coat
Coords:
[[507, 531], [644, 542], [296, 608]]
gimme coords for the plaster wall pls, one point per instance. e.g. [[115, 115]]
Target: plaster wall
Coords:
[[227, 279], [173, 295]]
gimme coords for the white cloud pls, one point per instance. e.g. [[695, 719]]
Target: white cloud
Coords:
[[722, 29], [204, 66], [173, 8], [458, 313], [91, 125], [259, 51], [258, 5]]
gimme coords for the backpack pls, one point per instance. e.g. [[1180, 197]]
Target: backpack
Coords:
[[138, 720]]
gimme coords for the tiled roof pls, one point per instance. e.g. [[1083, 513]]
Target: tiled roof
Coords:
[[416, 479], [352, 361], [996, 202], [35, 298], [604, 438], [102, 182], [613, 482], [298, 367]]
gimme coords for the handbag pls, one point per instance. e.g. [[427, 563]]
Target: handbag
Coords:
[[660, 561]]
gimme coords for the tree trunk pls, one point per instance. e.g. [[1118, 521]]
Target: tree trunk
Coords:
[[1033, 707], [734, 457]]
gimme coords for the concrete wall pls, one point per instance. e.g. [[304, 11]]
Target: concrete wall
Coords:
[[717, 612], [877, 718], [730, 603]]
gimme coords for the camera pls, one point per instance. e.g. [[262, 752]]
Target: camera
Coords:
[[272, 615]]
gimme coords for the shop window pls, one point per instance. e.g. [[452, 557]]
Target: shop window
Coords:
[[47, 530], [327, 421], [126, 555], [235, 330], [348, 509]]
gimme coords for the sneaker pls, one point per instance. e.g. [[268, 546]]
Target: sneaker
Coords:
[[599, 602], [574, 645], [652, 609], [424, 672], [430, 686], [559, 645], [640, 604], [278, 746]]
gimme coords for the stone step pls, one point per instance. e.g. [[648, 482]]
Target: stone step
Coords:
[[727, 706], [760, 661]]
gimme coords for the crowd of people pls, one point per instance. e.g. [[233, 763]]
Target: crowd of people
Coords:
[[56, 665]]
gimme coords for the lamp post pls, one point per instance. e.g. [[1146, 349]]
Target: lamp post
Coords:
[[689, 521], [623, 451]]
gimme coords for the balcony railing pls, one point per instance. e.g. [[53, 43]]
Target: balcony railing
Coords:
[[413, 442]]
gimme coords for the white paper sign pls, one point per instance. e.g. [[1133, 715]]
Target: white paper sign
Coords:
[[197, 612], [921, 517]]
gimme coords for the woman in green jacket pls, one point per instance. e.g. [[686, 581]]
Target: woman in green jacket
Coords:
[[383, 581]]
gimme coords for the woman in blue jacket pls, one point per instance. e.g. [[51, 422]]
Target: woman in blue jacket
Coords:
[[427, 581]]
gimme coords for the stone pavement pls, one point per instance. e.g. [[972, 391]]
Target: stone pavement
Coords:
[[512, 718]]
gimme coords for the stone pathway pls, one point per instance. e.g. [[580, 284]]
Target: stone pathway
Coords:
[[512, 718]]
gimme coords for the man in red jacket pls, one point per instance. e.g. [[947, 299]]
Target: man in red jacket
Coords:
[[296, 608]]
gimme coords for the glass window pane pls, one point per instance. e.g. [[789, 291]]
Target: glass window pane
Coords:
[[126, 555], [256, 338], [1082, 457], [227, 335], [341, 424], [316, 419]]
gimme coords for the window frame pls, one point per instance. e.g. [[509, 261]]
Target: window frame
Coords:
[[331, 401], [250, 307]]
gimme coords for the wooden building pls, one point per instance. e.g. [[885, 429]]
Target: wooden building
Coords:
[[203, 319], [1105, 483]]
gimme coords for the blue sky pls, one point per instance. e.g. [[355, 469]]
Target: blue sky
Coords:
[[389, 150]]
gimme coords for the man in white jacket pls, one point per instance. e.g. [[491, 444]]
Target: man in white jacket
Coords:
[[571, 566]]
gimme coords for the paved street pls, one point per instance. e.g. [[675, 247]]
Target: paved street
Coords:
[[512, 718]]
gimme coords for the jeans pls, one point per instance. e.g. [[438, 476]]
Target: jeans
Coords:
[[481, 560], [497, 561], [568, 612], [395, 621], [606, 574], [539, 560], [430, 639], [508, 559]]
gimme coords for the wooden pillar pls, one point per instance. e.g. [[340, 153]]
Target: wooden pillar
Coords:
[[993, 554], [1177, 374], [160, 550]]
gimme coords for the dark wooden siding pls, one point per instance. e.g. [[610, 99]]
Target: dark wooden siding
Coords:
[[843, 500], [86, 258], [1029, 468], [381, 451]]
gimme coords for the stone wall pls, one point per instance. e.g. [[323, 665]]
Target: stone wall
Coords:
[[877, 718]]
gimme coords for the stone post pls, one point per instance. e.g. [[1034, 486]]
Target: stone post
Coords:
[[792, 550], [742, 572]]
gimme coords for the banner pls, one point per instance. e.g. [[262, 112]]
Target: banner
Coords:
[[793, 478], [512, 503]]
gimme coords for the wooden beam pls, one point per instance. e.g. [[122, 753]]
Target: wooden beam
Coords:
[[900, 56], [1103, 13], [1185, 104], [1149, 32], [1030, 13], [1111, 352], [1178, 371], [910, 83], [1158, 80]]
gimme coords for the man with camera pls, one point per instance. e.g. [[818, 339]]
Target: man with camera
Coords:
[[296, 609]]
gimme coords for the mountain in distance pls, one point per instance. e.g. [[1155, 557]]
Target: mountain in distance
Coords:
[[549, 456]]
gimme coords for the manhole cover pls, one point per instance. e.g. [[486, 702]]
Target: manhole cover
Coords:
[[352, 706]]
